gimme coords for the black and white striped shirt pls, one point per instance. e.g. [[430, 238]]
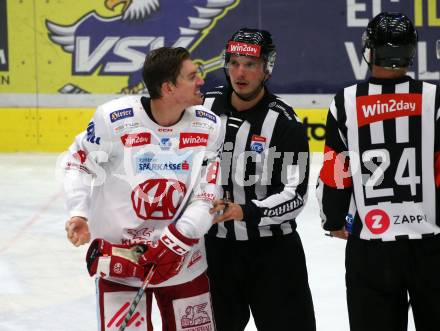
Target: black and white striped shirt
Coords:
[[386, 131], [265, 166]]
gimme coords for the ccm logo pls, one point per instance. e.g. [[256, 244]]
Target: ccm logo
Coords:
[[188, 139], [136, 139], [173, 246]]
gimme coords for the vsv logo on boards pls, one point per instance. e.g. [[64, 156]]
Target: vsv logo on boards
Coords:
[[117, 45]]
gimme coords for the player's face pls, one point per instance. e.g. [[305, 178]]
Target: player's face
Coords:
[[246, 74], [188, 85]]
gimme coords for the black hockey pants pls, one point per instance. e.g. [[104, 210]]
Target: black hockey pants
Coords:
[[268, 276], [380, 277]]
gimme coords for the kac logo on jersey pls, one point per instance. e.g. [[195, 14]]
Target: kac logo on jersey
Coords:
[[117, 45], [158, 198], [258, 143], [121, 114]]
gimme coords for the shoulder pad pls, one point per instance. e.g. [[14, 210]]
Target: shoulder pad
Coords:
[[121, 102], [284, 109], [120, 108], [202, 113]]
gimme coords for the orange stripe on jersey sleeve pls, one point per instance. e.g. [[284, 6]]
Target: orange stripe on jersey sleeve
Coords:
[[335, 170], [437, 168]]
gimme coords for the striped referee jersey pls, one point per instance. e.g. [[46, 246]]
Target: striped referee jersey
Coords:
[[265, 165], [381, 173]]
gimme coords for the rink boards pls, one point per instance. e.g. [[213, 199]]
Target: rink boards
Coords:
[[53, 129]]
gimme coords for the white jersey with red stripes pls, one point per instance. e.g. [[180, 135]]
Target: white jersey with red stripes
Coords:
[[131, 177]]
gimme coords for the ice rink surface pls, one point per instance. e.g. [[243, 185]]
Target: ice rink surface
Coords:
[[44, 284]]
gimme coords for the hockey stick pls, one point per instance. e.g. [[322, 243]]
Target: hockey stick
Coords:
[[137, 298]]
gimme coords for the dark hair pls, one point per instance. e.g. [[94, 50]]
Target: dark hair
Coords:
[[162, 65]]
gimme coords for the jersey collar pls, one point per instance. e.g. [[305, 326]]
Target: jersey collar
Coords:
[[384, 81]]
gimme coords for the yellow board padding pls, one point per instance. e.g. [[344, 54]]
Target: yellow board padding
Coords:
[[18, 130], [314, 119], [53, 129], [41, 129]]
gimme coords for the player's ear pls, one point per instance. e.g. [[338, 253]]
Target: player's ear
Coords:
[[167, 88]]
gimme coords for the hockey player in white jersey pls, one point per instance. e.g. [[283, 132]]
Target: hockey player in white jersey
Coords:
[[380, 184], [140, 182]]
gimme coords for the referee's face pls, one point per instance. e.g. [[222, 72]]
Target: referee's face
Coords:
[[246, 74]]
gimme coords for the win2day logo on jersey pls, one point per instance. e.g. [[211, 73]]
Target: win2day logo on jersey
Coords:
[[374, 108], [116, 45]]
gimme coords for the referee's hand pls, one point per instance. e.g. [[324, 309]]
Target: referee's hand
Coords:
[[341, 234], [231, 211]]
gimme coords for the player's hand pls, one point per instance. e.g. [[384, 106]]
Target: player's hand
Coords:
[[78, 231], [109, 260], [341, 234], [168, 254], [231, 211]]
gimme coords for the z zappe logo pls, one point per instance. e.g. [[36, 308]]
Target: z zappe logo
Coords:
[[377, 221], [117, 45]]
